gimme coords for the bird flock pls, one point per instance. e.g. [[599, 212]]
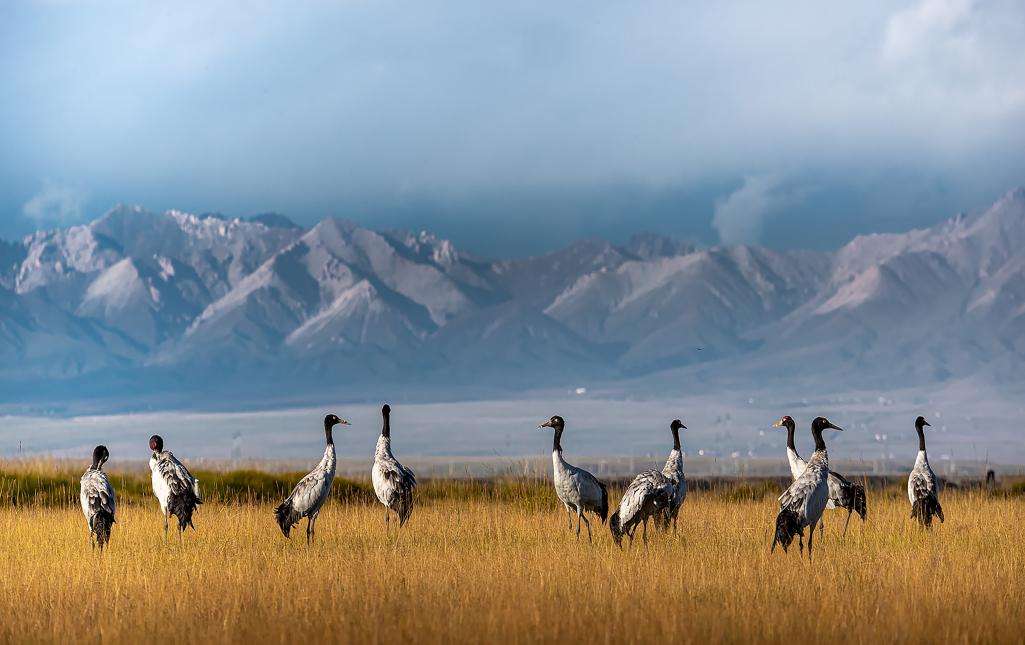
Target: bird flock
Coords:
[[653, 495]]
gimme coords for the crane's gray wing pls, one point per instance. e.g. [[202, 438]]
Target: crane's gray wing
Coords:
[[923, 483], [98, 490], [796, 497], [648, 487], [308, 490], [174, 472], [400, 479]]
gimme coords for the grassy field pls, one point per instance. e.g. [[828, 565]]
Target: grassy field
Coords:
[[495, 562]]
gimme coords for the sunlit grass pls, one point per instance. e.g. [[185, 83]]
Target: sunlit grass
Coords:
[[491, 562]]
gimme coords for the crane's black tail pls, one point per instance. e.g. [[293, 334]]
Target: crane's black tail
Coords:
[[102, 523], [925, 508], [182, 505], [616, 528], [859, 501], [405, 508], [603, 508], [286, 516], [788, 525]]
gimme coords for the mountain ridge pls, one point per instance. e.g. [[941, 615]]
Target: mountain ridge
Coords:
[[147, 296]]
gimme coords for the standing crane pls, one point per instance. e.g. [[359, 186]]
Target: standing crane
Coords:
[[173, 485], [842, 492], [577, 489], [99, 503], [673, 471], [309, 495], [922, 489], [393, 482], [802, 504], [649, 495]]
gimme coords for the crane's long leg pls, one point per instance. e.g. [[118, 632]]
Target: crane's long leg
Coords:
[[587, 523], [811, 537], [569, 516], [800, 541], [166, 516], [848, 522], [674, 523], [644, 535], [309, 530], [822, 528], [579, 515]]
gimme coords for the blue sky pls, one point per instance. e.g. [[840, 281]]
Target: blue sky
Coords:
[[513, 129]]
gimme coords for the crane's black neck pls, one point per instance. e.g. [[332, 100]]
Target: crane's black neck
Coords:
[[557, 445], [386, 428], [921, 438], [819, 443], [97, 464], [790, 437], [676, 437], [327, 434]]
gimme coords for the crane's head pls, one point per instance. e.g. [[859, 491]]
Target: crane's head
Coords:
[[785, 421], [156, 443], [100, 455], [822, 423], [677, 425], [920, 422], [331, 421], [556, 423]]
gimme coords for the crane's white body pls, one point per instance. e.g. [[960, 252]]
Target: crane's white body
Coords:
[[96, 493], [809, 493], [309, 495], [170, 476], [922, 479], [393, 482], [673, 471]]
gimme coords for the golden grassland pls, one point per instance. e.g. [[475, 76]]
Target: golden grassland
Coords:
[[496, 563]]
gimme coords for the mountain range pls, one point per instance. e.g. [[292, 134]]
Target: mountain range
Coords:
[[147, 304]]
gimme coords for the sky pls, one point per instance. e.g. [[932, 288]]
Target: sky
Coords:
[[513, 128]]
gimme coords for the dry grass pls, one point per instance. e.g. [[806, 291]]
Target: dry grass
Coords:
[[484, 566]]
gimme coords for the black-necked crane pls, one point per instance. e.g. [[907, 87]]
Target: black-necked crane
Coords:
[[577, 489], [673, 471], [173, 485], [804, 501], [922, 489], [842, 492], [393, 482], [309, 495], [99, 503], [649, 496]]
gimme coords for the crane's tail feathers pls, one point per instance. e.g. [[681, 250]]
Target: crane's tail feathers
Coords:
[[182, 505], [616, 528], [102, 523], [603, 509], [788, 525], [859, 500], [405, 508], [286, 516], [925, 508]]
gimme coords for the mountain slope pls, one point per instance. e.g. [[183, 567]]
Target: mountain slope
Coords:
[[208, 302]]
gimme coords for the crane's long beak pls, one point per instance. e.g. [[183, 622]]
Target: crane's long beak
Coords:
[[778, 424], [835, 427], [344, 422], [926, 423], [544, 424], [683, 427]]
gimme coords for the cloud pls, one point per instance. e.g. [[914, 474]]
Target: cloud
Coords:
[[915, 30], [740, 217], [55, 204]]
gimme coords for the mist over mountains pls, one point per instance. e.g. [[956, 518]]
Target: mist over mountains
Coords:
[[173, 306]]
